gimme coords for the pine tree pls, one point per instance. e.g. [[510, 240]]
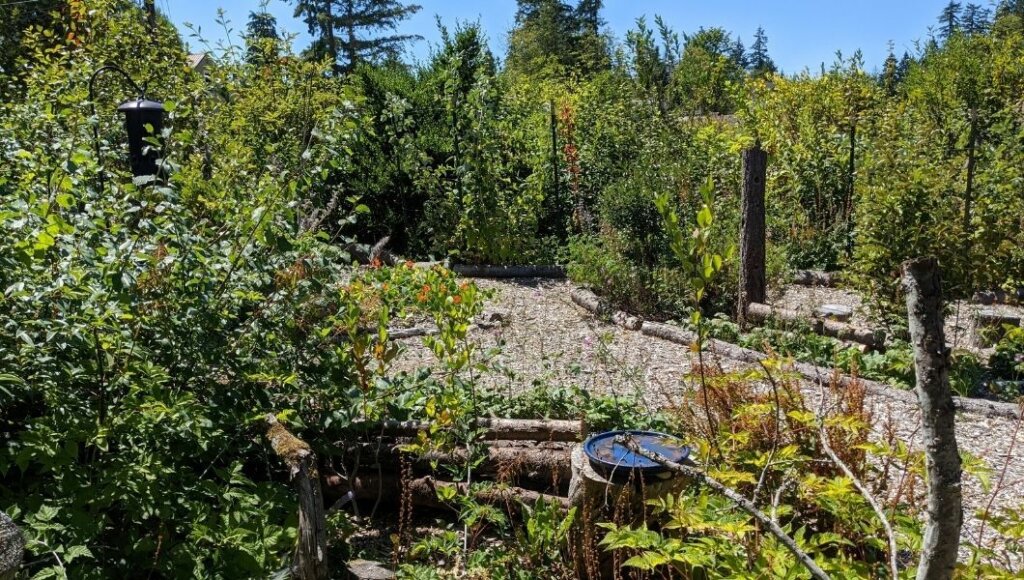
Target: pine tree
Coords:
[[949, 20], [261, 37], [976, 19], [343, 28], [760, 62]]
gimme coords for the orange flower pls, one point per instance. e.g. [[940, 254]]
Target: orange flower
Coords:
[[457, 300], [410, 264]]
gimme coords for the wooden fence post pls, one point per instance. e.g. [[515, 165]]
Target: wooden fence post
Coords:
[[752, 231], [311, 552], [938, 415]]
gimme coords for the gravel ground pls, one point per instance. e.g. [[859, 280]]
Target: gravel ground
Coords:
[[546, 340]]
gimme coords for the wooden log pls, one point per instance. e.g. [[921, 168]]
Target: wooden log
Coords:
[[753, 286], [12, 547], [495, 429], [938, 420], [835, 329], [533, 465], [470, 271], [311, 550], [424, 491], [814, 278]]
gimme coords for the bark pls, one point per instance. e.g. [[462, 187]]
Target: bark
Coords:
[[938, 414], [752, 231], [495, 429], [311, 551]]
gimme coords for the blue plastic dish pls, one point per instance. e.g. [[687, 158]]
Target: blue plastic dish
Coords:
[[615, 461]]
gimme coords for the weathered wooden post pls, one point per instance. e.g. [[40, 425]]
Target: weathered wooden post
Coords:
[[938, 415], [311, 552], [752, 231]]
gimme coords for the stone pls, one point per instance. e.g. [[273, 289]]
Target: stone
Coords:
[[12, 547], [492, 318], [368, 570], [837, 312]]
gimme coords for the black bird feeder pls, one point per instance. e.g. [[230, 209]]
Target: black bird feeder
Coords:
[[142, 118]]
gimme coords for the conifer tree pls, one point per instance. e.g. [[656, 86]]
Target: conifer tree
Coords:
[[889, 78], [949, 20], [738, 54], [976, 19], [554, 33], [261, 37], [345, 29], [760, 63]]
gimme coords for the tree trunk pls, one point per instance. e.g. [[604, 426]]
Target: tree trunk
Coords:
[[972, 162], [332, 43], [311, 551], [752, 231], [851, 173], [942, 458], [151, 15]]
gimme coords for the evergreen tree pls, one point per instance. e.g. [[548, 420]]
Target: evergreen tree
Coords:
[[344, 29], [903, 68], [760, 62], [552, 33], [261, 37], [976, 19], [889, 78], [949, 20], [738, 54]]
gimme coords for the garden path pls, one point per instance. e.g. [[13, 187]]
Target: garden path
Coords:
[[543, 339]]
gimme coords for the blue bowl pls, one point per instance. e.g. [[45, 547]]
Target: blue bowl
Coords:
[[617, 463]]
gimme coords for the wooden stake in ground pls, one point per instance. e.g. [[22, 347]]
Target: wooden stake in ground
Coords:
[[942, 458], [752, 231], [311, 552]]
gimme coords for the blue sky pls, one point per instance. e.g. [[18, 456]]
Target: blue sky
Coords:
[[801, 33]]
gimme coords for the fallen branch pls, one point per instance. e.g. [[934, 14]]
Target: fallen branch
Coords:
[[893, 550], [735, 497]]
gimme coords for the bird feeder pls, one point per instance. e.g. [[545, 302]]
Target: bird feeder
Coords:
[[143, 118]]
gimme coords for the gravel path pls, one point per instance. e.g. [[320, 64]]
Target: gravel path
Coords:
[[546, 340]]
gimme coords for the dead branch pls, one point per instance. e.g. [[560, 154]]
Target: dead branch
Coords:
[[734, 496]]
